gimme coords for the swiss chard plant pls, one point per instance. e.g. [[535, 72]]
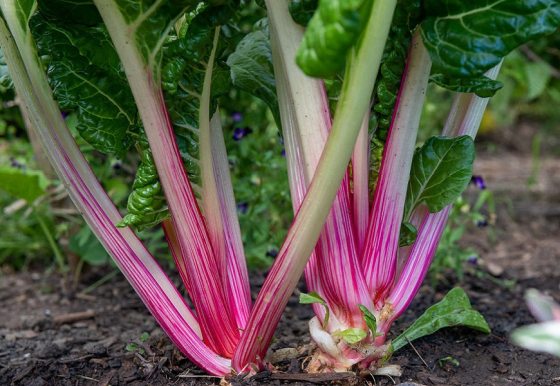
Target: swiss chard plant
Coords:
[[345, 80]]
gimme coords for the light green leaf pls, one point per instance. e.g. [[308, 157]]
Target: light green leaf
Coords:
[[482, 86], [23, 183], [252, 71], [538, 75], [370, 319], [333, 30], [352, 335], [467, 38], [441, 169], [87, 246], [311, 298], [543, 337], [407, 235], [453, 310]]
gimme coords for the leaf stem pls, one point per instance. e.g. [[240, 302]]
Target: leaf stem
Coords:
[[218, 326], [379, 257], [307, 226]]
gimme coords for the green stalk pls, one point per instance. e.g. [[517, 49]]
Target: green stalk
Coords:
[[354, 101]]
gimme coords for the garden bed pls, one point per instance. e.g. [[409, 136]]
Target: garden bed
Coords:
[[105, 336]]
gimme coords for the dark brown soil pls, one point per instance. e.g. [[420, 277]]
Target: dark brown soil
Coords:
[[112, 340]]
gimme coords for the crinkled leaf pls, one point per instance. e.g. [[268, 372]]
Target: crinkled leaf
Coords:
[[352, 335], [84, 72], [146, 204], [251, 69], [482, 86], [408, 234], [407, 14], [543, 337], [331, 33], [453, 310], [71, 11], [150, 23], [23, 183], [369, 318], [302, 10], [467, 38], [441, 170]]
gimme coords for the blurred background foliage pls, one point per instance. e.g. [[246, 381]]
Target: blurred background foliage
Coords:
[[44, 230]]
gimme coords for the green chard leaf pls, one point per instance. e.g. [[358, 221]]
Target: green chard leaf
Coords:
[[252, 71], [23, 183], [352, 335], [482, 86], [453, 310], [332, 32], [315, 298], [311, 298], [369, 318], [441, 170], [302, 10], [81, 12], [408, 234], [146, 204], [84, 71], [467, 38], [150, 23]]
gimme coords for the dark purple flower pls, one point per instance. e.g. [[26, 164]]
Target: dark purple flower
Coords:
[[236, 116], [482, 223], [65, 114], [243, 207], [241, 132], [473, 259], [478, 181], [272, 253], [283, 153], [16, 164]]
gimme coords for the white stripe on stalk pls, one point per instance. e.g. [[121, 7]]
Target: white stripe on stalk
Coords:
[[360, 184], [306, 122], [380, 253], [218, 325], [308, 223], [141, 270]]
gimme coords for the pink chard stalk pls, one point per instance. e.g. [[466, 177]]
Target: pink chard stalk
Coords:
[[390, 212], [346, 84], [146, 76]]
